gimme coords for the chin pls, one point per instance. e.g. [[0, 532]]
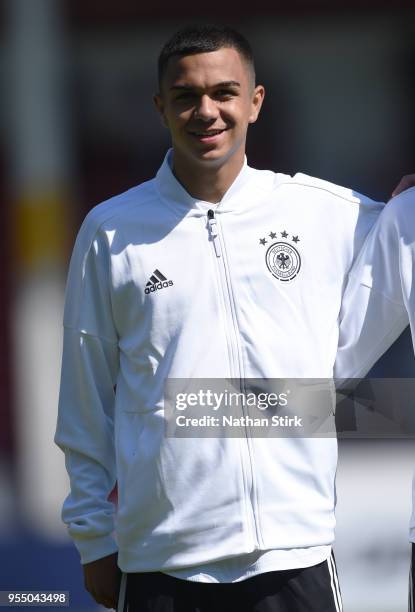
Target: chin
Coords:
[[214, 155], [208, 157]]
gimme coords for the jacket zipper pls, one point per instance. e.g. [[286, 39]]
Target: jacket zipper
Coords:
[[213, 232], [220, 251]]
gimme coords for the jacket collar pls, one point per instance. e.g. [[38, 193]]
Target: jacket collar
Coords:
[[174, 194]]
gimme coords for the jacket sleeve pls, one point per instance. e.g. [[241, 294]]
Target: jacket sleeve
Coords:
[[86, 400], [373, 312]]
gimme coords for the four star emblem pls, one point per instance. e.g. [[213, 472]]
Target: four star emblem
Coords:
[[273, 235]]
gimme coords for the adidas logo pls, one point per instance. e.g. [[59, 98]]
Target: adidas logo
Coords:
[[157, 281]]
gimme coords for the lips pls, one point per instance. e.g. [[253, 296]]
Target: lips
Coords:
[[208, 133], [208, 136]]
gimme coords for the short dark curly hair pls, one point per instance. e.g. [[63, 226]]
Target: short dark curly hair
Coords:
[[194, 39]]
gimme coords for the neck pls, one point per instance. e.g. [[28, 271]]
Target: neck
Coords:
[[204, 181]]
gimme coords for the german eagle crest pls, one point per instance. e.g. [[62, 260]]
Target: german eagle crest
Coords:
[[282, 257]]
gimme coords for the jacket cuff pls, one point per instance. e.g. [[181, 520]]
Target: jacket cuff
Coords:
[[91, 549]]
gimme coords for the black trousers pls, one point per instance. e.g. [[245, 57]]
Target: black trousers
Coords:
[[311, 589]]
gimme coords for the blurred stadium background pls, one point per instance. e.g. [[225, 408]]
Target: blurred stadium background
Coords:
[[77, 126]]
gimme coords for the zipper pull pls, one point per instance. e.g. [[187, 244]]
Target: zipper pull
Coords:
[[213, 232]]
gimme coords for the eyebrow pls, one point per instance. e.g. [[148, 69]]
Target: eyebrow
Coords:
[[222, 84]]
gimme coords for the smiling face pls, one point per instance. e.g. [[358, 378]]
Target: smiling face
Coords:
[[207, 101]]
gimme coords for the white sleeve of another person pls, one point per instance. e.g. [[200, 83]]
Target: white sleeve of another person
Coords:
[[379, 299]]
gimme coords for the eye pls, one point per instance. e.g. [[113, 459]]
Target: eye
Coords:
[[224, 94], [185, 95]]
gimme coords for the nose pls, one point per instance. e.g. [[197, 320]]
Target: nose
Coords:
[[206, 109]]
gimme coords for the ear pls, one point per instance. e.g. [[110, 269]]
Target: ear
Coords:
[[256, 103], [159, 104]]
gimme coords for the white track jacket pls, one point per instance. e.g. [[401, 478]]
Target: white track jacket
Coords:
[[156, 290]]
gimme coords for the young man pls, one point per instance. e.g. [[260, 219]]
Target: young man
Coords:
[[207, 271], [379, 301]]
